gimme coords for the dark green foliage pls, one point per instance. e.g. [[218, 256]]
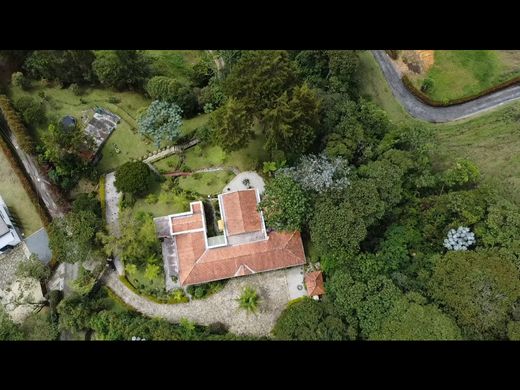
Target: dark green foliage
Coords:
[[173, 91], [284, 204], [313, 66], [342, 68], [75, 312], [67, 66], [34, 268], [134, 177], [72, 238], [479, 289], [310, 320], [232, 126], [205, 290], [259, 78], [87, 202], [19, 80], [39, 326], [201, 73], [291, 125], [121, 69], [9, 331]]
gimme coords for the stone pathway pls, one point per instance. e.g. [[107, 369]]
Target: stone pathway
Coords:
[[112, 213], [221, 307]]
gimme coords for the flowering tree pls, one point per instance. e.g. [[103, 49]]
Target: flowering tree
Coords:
[[460, 239], [319, 173], [161, 121]]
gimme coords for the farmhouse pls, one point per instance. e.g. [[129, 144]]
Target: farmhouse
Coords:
[[243, 247], [9, 236]]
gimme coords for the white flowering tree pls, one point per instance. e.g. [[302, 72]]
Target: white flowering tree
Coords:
[[161, 121], [319, 173], [460, 239]]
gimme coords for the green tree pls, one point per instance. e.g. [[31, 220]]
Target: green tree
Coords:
[[367, 303], [38, 326], [412, 319], [284, 204], [122, 69], [249, 300], [310, 320], [463, 173], [84, 282], [67, 66], [292, 123], [134, 177], [259, 78], [342, 68], [173, 91], [19, 80], [161, 121], [151, 271], [232, 125], [76, 311], [87, 202], [33, 112], [9, 331], [72, 237], [33, 268], [313, 66], [478, 288]]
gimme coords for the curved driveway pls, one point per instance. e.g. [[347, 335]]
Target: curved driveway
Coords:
[[419, 110]]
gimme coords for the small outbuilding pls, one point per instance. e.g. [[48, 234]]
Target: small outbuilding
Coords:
[[68, 122], [314, 284]]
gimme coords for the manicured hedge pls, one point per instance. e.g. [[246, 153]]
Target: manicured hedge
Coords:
[[435, 103], [15, 124], [16, 165]]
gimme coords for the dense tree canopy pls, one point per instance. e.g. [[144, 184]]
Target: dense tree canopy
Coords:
[[121, 69], [478, 288], [161, 121], [285, 205], [134, 177], [310, 320], [232, 125]]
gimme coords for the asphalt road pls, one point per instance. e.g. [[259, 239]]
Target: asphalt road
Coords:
[[40, 181], [419, 110]]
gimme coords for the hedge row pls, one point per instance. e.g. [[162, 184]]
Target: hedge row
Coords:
[[435, 103], [15, 124], [16, 165]]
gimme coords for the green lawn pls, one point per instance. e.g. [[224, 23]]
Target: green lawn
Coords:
[[461, 73], [168, 164], [189, 125], [209, 183], [16, 198], [174, 63], [140, 282], [167, 203]]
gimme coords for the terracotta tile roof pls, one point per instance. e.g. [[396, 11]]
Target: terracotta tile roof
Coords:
[[314, 283], [280, 250], [241, 215], [188, 222]]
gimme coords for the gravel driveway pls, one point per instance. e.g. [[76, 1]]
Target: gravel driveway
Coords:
[[422, 111], [219, 307]]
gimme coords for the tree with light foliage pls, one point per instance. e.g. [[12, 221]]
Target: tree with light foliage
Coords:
[[161, 121], [460, 239], [319, 173]]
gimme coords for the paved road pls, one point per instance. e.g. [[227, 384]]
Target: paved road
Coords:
[[419, 110], [40, 181]]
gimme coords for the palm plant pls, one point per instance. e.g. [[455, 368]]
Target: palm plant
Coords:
[[249, 300]]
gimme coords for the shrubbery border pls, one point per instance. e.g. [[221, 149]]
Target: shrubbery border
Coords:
[[27, 185], [452, 102], [169, 301]]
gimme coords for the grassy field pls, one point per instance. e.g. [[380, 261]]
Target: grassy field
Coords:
[[491, 140], [17, 200], [209, 183], [174, 63], [461, 73]]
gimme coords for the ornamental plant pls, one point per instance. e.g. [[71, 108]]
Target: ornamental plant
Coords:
[[460, 239]]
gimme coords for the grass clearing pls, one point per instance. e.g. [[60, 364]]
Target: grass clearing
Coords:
[[461, 73], [17, 200], [167, 202], [174, 63], [209, 183]]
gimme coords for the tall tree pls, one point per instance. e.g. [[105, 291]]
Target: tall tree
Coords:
[[259, 78], [478, 288], [122, 69], [232, 125], [292, 124], [161, 121]]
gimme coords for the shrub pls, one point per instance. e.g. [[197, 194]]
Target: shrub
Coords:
[[152, 199], [427, 85], [19, 80], [74, 88]]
